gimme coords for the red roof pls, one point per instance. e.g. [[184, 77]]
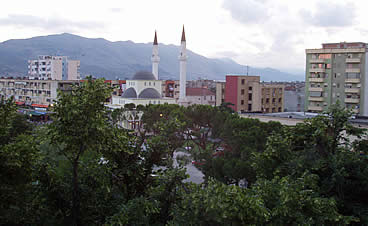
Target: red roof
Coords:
[[199, 92]]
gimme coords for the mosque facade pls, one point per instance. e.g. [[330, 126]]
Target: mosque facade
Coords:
[[145, 87]]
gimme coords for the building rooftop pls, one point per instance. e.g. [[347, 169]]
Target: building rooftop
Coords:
[[199, 92], [143, 75]]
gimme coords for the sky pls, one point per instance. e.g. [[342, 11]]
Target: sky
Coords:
[[258, 33]]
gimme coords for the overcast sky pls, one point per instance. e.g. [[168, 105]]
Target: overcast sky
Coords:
[[262, 33]]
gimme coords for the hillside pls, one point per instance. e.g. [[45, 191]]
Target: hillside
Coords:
[[121, 59]]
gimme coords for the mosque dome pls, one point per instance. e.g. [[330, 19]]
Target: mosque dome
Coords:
[[143, 75], [130, 93], [149, 93]]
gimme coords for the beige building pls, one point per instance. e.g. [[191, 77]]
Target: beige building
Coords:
[[220, 93], [53, 68], [34, 92], [248, 94], [200, 96], [272, 98]]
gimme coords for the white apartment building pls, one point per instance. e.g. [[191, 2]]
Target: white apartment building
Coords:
[[53, 68]]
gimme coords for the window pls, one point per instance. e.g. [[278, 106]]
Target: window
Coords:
[[242, 92], [249, 96], [267, 100], [273, 100], [250, 88], [279, 109], [242, 102], [249, 107], [279, 100], [243, 81]]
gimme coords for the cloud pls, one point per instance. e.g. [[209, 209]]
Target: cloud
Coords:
[[247, 11], [52, 24], [328, 14], [116, 10]]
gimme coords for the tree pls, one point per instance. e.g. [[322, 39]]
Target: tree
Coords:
[[79, 126]]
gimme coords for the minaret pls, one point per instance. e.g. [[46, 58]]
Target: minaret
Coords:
[[183, 68], [155, 58]]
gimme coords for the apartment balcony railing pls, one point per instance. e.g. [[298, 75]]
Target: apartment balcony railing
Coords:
[[352, 70], [352, 100], [316, 89], [319, 99], [352, 80], [318, 61], [315, 108], [317, 70], [352, 60], [316, 79], [352, 90]]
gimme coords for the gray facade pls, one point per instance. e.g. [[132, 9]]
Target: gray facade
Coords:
[[337, 73]]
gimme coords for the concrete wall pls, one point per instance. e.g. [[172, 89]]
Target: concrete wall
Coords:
[[73, 70]]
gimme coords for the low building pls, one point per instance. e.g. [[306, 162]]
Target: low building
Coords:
[[200, 96]]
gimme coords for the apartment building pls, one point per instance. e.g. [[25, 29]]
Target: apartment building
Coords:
[[53, 68], [248, 94], [200, 96], [220, 93], [39, 93], [272, 98], [337, 73]]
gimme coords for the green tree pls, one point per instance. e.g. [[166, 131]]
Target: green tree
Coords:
[[79, 126]]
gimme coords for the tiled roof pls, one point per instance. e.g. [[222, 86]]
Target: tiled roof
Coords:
[[199, 92]]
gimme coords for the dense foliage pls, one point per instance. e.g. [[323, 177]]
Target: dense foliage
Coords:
[[84, 169]]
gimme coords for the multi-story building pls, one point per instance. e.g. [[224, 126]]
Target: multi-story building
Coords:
[[53, 68], [43, 93], [294, 97], [200, 96], [243, 92], [220, 93], [272, 98], [249, 95], [37, 93], [337, 73]]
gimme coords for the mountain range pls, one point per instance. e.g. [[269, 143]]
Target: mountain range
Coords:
[[102, 58]]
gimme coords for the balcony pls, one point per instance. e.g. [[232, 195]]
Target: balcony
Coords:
[[352, 60], [317, 61], [315, 108], [352, 80], [352, 90], [352, 70], [352, 100], [319, 99], [316, 70], [315, 79], [315, 89], [355, 111]]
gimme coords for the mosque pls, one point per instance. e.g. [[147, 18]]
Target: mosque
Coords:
[[145, 87]]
